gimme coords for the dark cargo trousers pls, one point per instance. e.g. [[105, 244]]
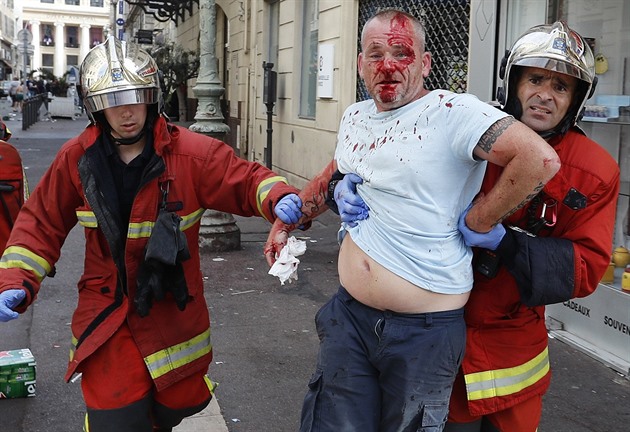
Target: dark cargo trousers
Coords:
[[380, 371]]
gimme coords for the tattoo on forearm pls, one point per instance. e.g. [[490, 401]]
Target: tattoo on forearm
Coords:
[[313, 204], [493, 133], [522, 204]]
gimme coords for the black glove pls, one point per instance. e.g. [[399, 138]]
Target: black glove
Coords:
[[162, 270]]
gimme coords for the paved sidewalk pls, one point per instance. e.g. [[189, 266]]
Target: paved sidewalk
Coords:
[[208, 420]]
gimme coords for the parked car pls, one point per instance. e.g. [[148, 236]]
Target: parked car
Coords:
[[4, 89]]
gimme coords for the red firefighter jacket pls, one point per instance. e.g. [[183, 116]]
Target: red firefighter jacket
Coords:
[[13, 186], [506, 359], [200, 173]]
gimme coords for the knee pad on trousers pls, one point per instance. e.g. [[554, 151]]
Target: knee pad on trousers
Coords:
[[165, 417], [146, 415], [135, 417], [480, 425]]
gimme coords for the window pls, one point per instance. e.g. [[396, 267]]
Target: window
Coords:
[[72, 41], [47, 61], [96, 36], [96, 3], [308, 78], [72, 60], [47, 35], [47, 1], [273, 25], [73, 2]]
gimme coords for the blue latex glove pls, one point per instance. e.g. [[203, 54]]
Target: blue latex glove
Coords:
[[351, 206], [289, 208], [8, 300], [489, 240]]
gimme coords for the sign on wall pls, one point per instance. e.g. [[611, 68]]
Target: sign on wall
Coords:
[[325, 63]]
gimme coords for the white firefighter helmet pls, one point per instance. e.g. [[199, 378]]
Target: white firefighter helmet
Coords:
[[118, 73], [553, 47]]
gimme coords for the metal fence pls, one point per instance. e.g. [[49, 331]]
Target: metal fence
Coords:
[[447, 24], [30, 110]]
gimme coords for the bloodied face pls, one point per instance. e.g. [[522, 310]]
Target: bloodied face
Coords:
[[393, 63]]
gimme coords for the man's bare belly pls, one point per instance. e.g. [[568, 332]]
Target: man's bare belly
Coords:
[[375, 286]]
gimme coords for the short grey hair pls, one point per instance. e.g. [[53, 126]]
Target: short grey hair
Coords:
[[389, 13]]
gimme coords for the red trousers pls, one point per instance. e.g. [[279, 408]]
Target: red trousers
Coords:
[[523, 417], [119, 392]]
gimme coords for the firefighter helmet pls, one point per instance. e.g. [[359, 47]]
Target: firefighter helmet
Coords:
[[553, 47], [119, 73]]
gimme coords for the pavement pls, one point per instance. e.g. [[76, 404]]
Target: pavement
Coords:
[[265, 343]]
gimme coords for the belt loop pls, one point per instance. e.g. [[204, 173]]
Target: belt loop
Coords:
[[378, 328], [428, 322]]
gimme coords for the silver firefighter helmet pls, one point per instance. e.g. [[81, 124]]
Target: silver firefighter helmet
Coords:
[[118, 73], [553, 47]]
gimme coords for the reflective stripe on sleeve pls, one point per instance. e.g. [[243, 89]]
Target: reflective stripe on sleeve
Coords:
[[503, 382], [263, 190], [19, 257], [191, 219]]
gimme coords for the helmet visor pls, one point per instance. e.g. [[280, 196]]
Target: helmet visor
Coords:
[[99, 102], [555, 65]]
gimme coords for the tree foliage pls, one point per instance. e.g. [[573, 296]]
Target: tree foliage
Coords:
[[176, 64]]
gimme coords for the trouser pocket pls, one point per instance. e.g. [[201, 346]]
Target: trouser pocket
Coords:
[[310, 410], [433, 417]]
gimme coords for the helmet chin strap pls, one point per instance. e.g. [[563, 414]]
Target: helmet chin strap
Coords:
[[515, 108], [125, 141], [120, 141]]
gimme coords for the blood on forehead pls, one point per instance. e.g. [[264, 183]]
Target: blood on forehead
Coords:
[[401, 31]]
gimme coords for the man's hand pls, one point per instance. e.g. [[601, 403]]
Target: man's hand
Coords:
[[8, 300], [489, 240], [277, 239], [289, 209], [351, 206]]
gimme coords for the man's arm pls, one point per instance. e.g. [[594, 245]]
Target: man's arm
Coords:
[[529, 163], [550, 270], [313, 197]]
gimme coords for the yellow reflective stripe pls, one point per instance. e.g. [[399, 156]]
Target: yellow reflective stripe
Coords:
[[87, 219], [144, 229], [86, 424], [191, 219], [73, 347], [171, 358], [503, 382], [212, 386], [140, 229], [263, 190], [19, 257]]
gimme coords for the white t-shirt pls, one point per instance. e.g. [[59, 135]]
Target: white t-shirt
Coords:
[[419, 175]]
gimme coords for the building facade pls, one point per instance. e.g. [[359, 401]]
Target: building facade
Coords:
[[7, 39], [63, 31]]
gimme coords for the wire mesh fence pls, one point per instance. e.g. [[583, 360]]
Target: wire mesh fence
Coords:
[[447, 24]]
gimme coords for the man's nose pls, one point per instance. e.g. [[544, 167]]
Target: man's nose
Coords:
[[544, 91], [389, 63]]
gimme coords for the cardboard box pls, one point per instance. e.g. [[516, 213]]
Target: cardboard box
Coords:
[[17, 374]]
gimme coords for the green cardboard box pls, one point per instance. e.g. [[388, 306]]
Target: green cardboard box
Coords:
[[17, 374]]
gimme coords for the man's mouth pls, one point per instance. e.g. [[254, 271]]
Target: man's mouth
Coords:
[[541, 110]]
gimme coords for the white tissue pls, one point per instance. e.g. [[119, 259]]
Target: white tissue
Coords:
[[286, 263]]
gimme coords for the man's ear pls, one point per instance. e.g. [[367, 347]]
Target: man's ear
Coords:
[[359, 65], [426, 64]]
